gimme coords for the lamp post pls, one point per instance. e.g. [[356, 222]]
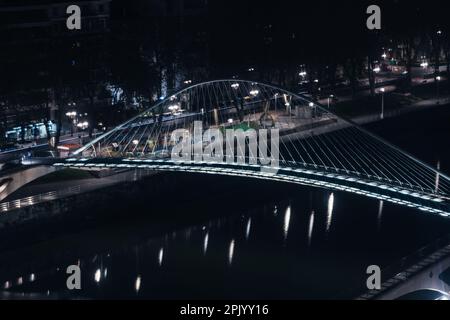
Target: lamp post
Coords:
[[329, 100], [311, 105], [376, 70], [382, 103], [71, 115], [276, 100], [438, 78]]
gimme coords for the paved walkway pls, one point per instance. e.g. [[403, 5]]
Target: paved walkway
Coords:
[[39, 193]]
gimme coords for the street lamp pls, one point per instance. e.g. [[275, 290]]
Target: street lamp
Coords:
[[438, 78], [72, 116], [329, 98], [424, 65], [83, 125], [174, 108], [312, 106], [382, 103], [276, 100]]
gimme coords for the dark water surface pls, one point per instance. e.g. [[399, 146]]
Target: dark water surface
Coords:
[[216, 237]]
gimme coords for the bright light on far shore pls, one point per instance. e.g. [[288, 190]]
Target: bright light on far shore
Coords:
[[174, 107], [83, 125]]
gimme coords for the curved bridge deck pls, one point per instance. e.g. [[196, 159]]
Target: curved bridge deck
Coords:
[[303, 176]]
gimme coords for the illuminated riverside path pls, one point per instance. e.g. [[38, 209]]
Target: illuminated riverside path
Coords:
[[316, 147]]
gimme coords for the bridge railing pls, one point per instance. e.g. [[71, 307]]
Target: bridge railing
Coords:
[[397, 270]]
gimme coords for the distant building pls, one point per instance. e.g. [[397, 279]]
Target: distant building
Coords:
[[35, 45]]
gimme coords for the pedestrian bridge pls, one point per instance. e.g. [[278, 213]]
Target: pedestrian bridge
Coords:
[[304, 142]]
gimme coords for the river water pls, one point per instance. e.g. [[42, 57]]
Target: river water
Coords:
[[230, 238]]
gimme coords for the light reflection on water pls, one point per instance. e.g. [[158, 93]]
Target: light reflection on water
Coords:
[[205, 243], [330, 210], [198, 252], [380, 214], [287, 219], [231, 252], [310, 227], [247, 229], [160, 256]]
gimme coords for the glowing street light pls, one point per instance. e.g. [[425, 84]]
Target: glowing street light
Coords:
[[254, 92], [235, 86], [72, 116], [329, 99], [424, 65], [376, 69], [174, 108], [382, 90], [83, 125], [438, 78]]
